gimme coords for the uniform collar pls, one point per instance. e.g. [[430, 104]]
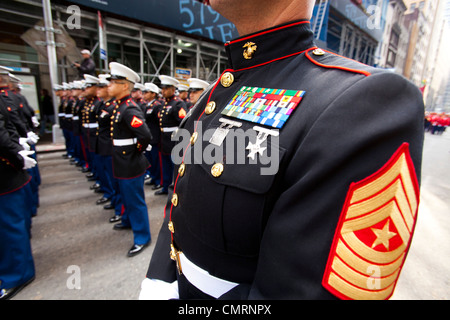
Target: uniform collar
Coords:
[[170, 98], [122, 100], [271, 44], [91, 99]]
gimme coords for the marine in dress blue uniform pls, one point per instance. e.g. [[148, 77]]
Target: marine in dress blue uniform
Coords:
[[16, 259], [138, 95], [91, 128], [104, 149], [80, 156], [170, 116], [61, 93], [66, 109], [152, 108], [31, 123], [28, 139], [130, 138], [342, 143]]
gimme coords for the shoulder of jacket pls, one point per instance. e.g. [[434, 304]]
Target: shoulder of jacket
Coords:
[[131, 107], [130, 103], [329, 60]]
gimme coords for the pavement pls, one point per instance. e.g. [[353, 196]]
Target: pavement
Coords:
[[78, 255], [426, 272]]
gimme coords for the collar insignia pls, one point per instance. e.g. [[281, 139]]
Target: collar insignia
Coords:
[[249, 50]]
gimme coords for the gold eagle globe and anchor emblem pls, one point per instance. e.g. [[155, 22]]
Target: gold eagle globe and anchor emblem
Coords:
[[249, 50]]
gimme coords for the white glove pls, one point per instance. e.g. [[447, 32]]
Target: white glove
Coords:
[[28, 162], [35, 121], [32, 138], [152, 289], [149, 148], [24, 144]]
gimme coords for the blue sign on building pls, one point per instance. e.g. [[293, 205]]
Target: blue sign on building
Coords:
[[184, 15]]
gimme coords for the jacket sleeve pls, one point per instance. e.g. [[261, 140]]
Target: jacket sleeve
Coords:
[[15, 116], [135, 121], [88, 67], [161, 266], [178, 111], [352, 139], [9, 146]]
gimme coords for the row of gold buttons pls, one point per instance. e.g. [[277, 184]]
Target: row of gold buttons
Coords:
[[226, 80]]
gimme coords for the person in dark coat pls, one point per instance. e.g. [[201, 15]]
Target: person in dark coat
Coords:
[[47, 111], [87, 66]]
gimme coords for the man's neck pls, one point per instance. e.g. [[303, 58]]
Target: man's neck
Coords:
[[249, 21]]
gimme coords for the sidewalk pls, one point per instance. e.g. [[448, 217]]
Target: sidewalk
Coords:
[[72, 238]]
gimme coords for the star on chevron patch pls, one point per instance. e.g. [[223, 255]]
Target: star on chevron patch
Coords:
[[374, 232]]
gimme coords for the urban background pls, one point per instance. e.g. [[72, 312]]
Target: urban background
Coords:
[[185, 39], [77, 253]]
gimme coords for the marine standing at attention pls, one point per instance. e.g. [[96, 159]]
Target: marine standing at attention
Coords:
[[130, 137]]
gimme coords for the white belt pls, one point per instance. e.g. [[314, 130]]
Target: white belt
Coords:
[[124, 142], [202, 280], [76, 118], [91, 125], [69, 115], [61, 114], [169, 129]]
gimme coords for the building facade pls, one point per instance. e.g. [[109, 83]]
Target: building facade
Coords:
[[193, 47], [393, 48], [184, 39], [352, 29], [420, 19]]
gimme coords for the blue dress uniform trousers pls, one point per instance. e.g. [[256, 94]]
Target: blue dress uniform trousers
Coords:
[[35, 182], [67, 141], [70, 143], [116, 200], [153, 157], [133, 197], [167, 171], [16, 259], [103, 166], [95, 166], [78, 147]]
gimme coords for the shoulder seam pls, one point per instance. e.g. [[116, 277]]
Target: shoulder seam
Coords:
[[365, 73]]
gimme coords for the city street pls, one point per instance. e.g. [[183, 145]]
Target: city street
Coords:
[[72, 234], [426, 273]]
